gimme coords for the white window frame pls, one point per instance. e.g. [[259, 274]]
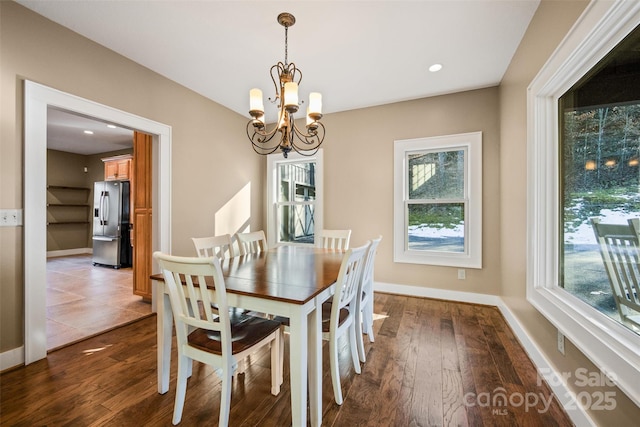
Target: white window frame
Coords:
[[471, 143], [610, 346], [273, 162]]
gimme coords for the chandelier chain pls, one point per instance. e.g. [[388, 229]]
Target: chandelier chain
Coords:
[[286, 44]]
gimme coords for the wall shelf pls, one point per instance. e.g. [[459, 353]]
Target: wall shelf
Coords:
[[65, 187], [67, 222], [68, 205]]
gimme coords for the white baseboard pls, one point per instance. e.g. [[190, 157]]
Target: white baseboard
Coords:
[[11, 358], [565, 396], [67, 252], [419, 291]]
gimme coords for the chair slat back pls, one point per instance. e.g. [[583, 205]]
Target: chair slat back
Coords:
[[186, 279], [219, 246], [348, 282], [333, 239], [621, 256], [367, 272], [252, 242]]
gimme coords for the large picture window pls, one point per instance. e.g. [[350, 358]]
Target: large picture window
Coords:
[[600, 184], [582, 173], [438, 209]]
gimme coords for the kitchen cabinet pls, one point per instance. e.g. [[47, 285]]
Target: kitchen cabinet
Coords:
[[117, 167]]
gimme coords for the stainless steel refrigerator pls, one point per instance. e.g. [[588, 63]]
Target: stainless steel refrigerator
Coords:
[[111, 243]]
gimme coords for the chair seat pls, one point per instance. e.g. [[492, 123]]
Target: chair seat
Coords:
[[326, 317], [246, 331]]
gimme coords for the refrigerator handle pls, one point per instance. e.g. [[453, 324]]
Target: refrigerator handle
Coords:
[[101, 209], [105, 212]]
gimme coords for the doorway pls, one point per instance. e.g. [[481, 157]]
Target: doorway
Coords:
[[37, 99], [85, 297]]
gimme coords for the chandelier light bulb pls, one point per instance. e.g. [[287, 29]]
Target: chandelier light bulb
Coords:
[[291, 96], [255, 100], [315, 103]]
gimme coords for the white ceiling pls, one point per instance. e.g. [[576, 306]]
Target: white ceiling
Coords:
[[66, 132], [356, 53]]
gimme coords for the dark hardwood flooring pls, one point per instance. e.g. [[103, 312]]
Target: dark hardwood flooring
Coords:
[[429, 358]]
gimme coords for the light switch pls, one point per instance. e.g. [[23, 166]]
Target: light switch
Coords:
[[10, 217]]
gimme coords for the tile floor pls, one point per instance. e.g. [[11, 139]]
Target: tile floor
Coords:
[[83, 300]]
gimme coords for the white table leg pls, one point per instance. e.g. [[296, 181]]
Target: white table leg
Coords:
[[298, 367], [315, 366], [165, 324]]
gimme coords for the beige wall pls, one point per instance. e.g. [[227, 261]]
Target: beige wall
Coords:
[[215, 170], [551, 23], [358, 179], [211, 159]]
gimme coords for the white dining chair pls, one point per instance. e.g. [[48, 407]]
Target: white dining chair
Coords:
[[252, 242], [220, 246], [339, 314], [364, 304], [333, 239], [208, 337]]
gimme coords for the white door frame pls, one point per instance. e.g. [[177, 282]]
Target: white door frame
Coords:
[[36, 100]]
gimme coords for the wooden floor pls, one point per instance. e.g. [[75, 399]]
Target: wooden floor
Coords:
[[433, 363], [84, 300]]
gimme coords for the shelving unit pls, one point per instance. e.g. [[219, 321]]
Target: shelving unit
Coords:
[[71, 205]]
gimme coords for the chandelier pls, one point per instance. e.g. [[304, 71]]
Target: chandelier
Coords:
[[285, 135]]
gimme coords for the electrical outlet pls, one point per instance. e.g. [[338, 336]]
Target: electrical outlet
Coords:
[[560, 342], [462, 274]]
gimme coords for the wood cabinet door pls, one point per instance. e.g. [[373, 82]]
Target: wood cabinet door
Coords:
[[117, 169], [142, 214], [123, 167], [110, 171]]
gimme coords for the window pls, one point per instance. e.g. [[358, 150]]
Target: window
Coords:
[[600, 146], [438, 200], [556, 146], [294, 198]]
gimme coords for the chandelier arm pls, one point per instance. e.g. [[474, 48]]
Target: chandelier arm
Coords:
[[264, 151], [260, 140], [275, 78], [303, 142], [311, 136], [266, 135], [295, 71]]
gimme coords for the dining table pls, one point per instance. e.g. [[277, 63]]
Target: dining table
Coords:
[[288, 280]]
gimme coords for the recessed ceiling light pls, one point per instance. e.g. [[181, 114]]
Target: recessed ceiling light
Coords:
[[111, 126], [88, 132], [435, 67]]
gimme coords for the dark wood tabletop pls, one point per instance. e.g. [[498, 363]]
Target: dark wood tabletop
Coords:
[[294, 274]]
